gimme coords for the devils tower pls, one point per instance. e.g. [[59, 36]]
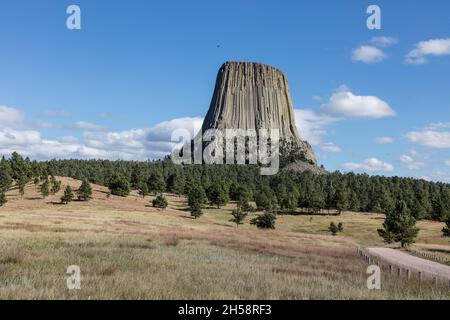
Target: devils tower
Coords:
[[256, 96]]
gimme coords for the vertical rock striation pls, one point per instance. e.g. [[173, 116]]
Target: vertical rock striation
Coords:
[[255, 96]]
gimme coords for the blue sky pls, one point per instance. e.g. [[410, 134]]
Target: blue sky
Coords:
[[138, 69]]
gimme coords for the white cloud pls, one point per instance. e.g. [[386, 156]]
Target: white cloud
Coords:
[[87, 126], [423, 49], [430, 138], [440, 176], [383, 41], [330, 147], [346, 104], [410, 163], [10, 116], [312, 124], [447, 163], [134, 144], [384, 140], [317, 98], [368, 54], [370, 165]]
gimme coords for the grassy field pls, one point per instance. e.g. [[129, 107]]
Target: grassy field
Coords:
[[128, 250]]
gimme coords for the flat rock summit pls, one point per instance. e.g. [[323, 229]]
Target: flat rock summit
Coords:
[[250, 95]]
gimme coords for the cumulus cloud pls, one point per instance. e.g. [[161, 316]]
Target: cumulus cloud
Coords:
[[348, 105], [312, 125], [384, 140], [10, 116], [447, 163], [423, 49], [330, 148], [368, 54], [410, 163], [431, 138], [134, 144], [383, 41], [371, 165]]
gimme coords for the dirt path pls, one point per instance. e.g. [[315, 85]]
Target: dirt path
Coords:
[[415, 264]]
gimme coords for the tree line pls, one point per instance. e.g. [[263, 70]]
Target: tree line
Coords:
[[403, 200], [287, 192]]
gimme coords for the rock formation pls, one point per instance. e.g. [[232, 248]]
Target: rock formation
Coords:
[[256, 96]]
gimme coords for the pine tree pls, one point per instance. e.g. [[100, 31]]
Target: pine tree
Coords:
[[238, 216], [22, 183], [143, 189], [5, 176], [119, 186], [156, 182], [68, 195], [196, 210], [333, 228], [84, 193], [160, 202], [196, 200], [264, 221], [45, 188], [265, 199], [55, 185], [2, 199], [340, 200], [399, 226], [217, 195]]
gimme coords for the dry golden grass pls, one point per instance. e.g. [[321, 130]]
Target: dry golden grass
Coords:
[[129, 250]]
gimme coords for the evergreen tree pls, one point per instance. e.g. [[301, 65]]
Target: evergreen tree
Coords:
[[196, 200], [333, 228], [265, 199], [217, 195], [84, 193], [340, 227], [176, 183], [143, 189], [2, 199], [68, 195], [196, 210], [340, 200], [156, 183], [238, 216], [160, 202], [5, 176], [21, 184], [264, 221], [55, 185], [45, 188], [399, 226], [119, 186]]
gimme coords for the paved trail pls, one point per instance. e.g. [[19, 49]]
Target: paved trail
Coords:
[[415, 264]]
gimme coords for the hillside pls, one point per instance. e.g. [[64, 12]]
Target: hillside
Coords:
[[127, 249]]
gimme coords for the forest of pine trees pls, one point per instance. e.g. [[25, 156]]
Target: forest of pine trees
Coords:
[[286, 192]]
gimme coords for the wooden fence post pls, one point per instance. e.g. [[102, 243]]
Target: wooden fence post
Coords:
[[420, 275], [408, 274]]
